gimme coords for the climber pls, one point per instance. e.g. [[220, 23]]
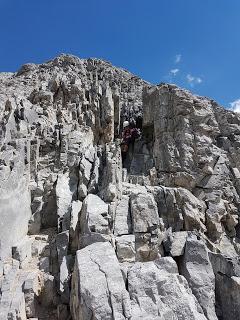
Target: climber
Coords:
[[135, 133], [126, 136], [129, 134]]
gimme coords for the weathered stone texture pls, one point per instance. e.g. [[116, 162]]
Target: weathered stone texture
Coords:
[[83, 237], [104, 298]]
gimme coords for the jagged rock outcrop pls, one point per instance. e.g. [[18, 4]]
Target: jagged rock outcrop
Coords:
[[84, 238], [106, 297], [197, 269], [159, 292]]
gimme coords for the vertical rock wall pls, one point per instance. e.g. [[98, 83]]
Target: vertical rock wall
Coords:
[[15, 200]]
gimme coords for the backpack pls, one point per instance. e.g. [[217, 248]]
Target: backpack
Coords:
[[135, 134], [124, 147]]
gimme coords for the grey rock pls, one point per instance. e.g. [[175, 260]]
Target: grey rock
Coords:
[[76, 209], [62, 182], [123, 223], [94, 215], [106, 297], [64, 278], [35, 223], [63, 312], [44, 264], [144, 212], [74, 224], [15, 202], [66, 188], [197, 269], [157, 292], [228, 293], [31, 290], [17, 308], [176, 243], [111, 179], [48, 292], [227, 273], [146, 225], [166, 265], [125, 246], [23, 250], [1, 268]]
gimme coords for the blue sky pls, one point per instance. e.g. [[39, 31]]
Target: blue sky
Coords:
[[193, 43]]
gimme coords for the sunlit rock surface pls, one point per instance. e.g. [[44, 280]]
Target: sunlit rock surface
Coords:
[[84, 238]]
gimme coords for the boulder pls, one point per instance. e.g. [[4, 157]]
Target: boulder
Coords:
[[123, 223], [197, 269], [144, 212], [175, 243], [125, 247], [110, 180], [74, 224], [227, 273], [193, 210], [31, 289], [62, 242], [66, 190], [157, 292], [105, 297], [64, 278], [146, 225], [23, 250], [94, 215]]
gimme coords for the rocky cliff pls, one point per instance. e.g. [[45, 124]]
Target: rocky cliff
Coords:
[[83, 238]]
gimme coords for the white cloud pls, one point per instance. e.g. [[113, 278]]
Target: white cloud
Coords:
[[178, 58], [174, 72], [192, 80], [198, 80], [235, 105]]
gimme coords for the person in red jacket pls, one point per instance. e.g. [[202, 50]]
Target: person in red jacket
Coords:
[[126, 137], [129, 134]]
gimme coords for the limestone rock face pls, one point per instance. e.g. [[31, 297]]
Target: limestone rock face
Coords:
[[94, 215], [15, 200], [197, 269], [227, 275], [85, 236], [106, 297], [159, 292]]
